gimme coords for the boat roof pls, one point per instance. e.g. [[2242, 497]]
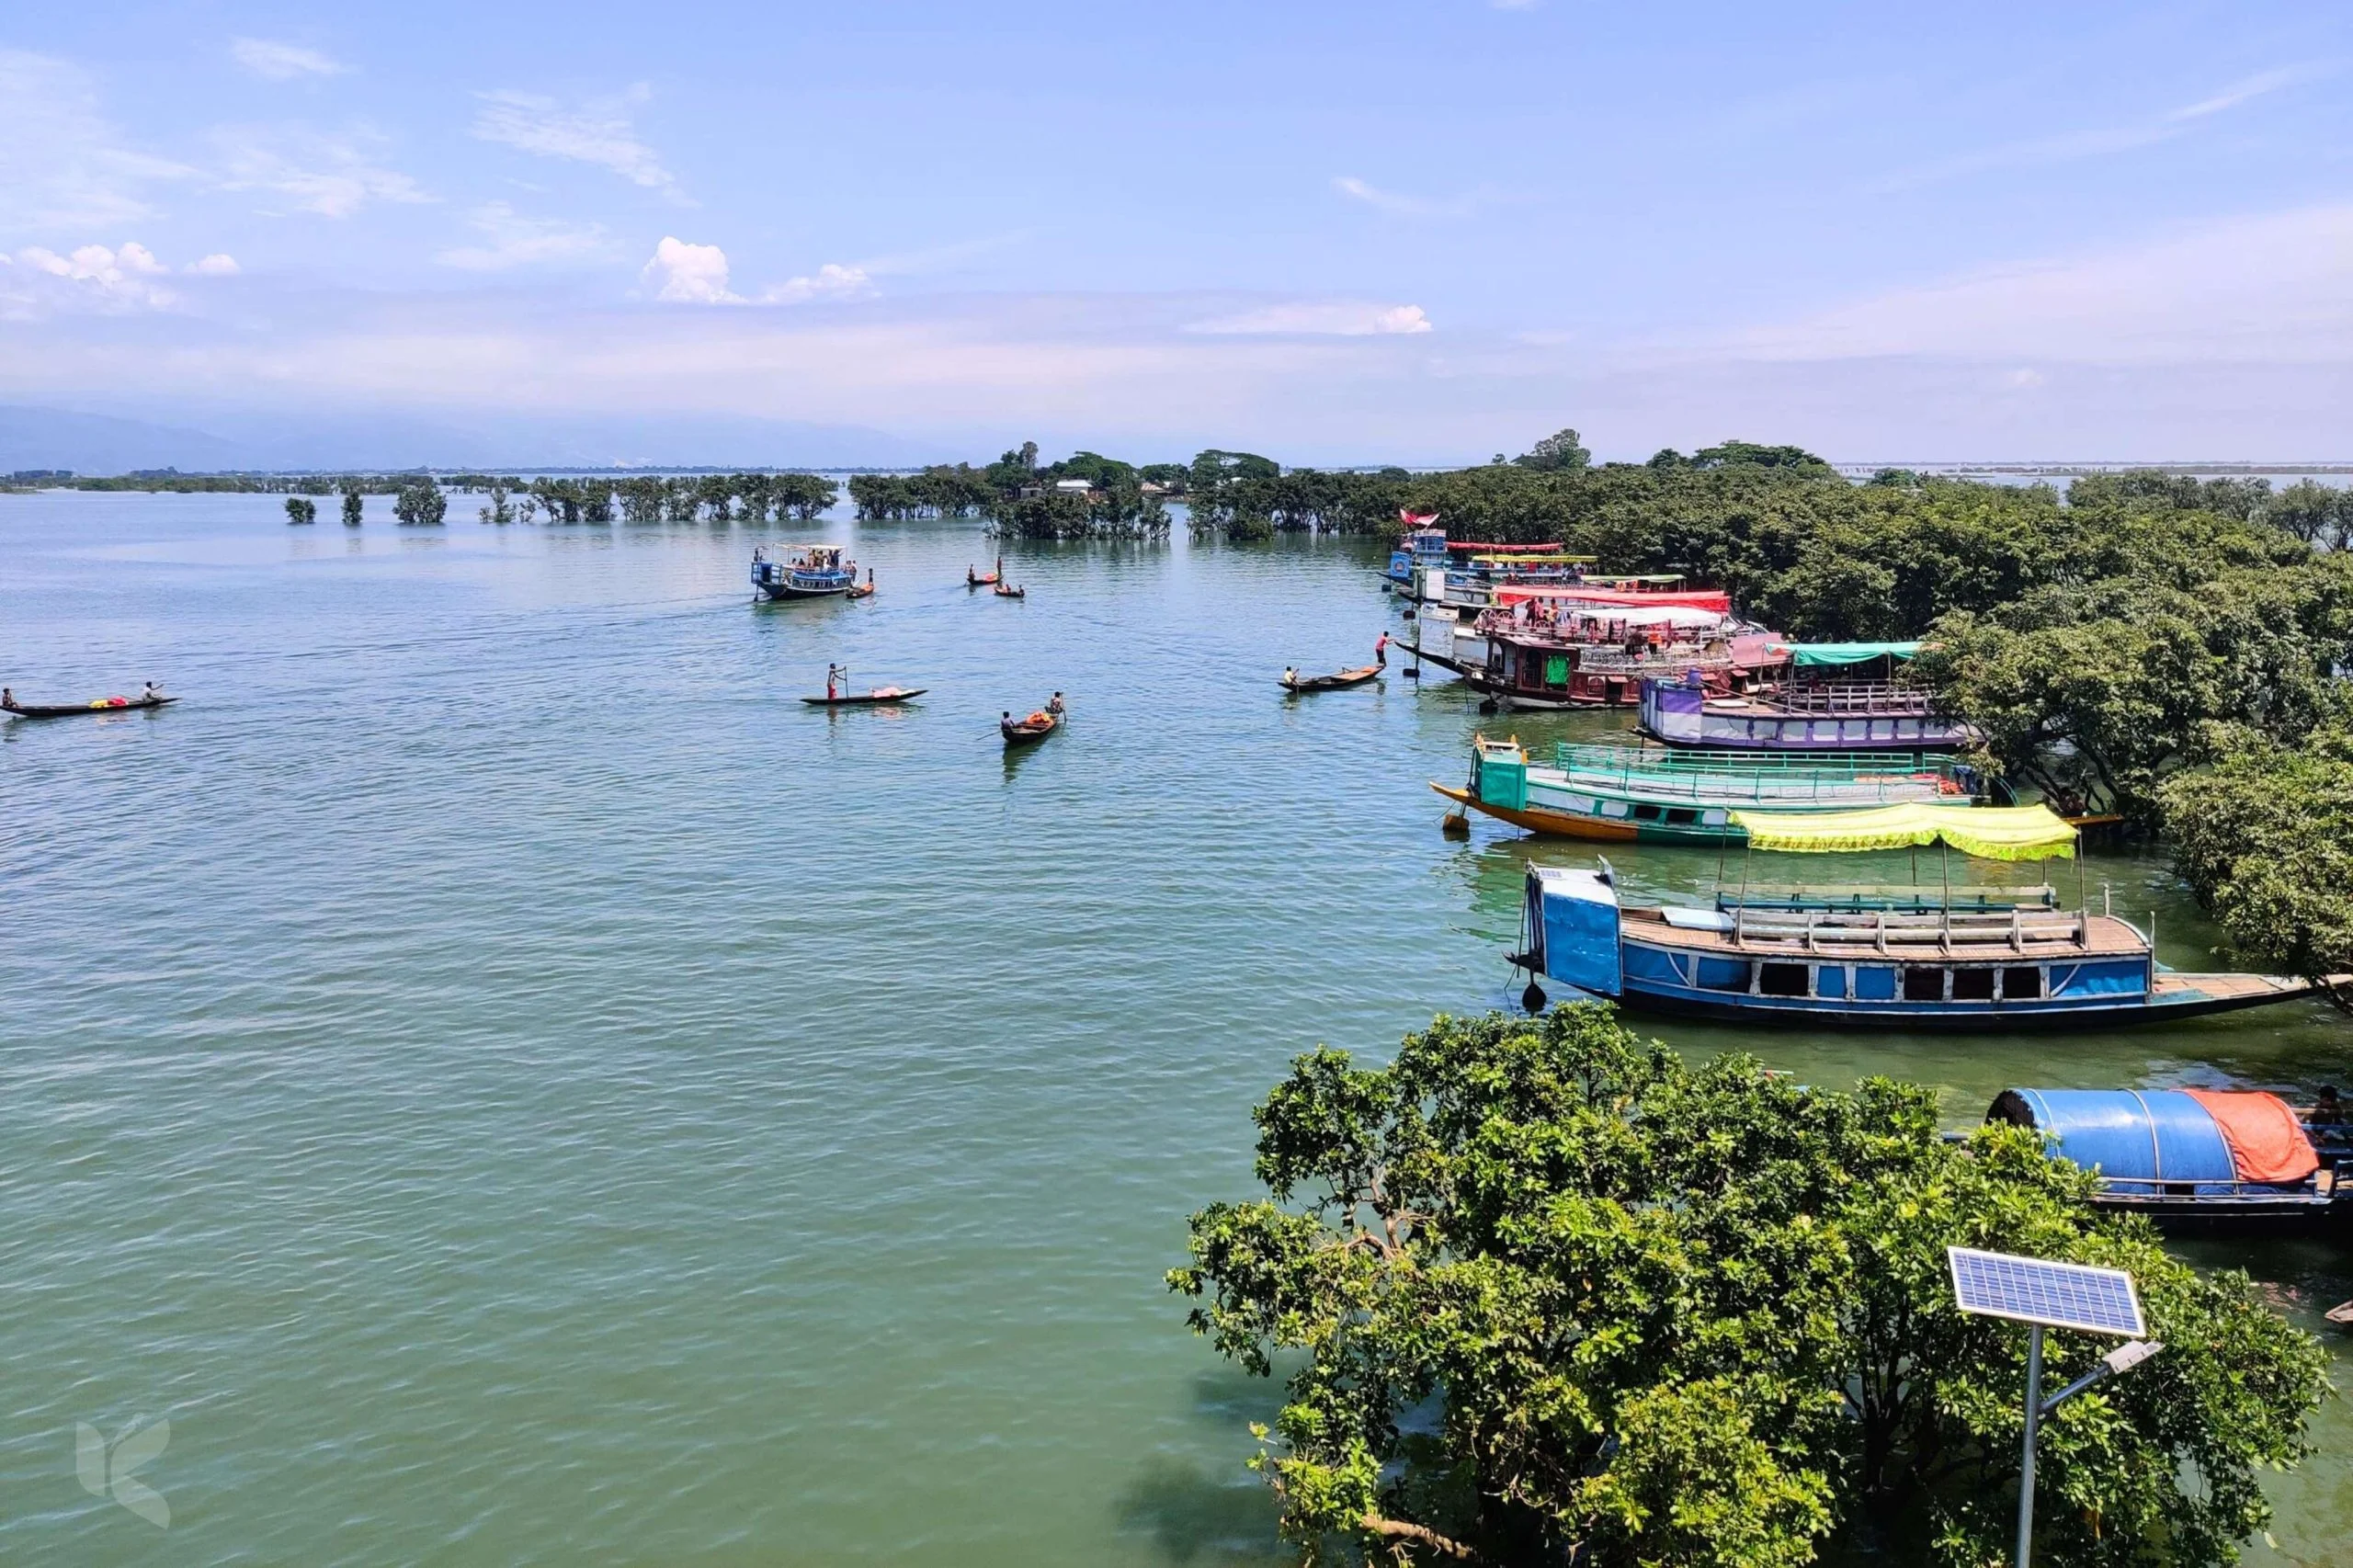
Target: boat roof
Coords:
[[1808, 654], [1990, 833]]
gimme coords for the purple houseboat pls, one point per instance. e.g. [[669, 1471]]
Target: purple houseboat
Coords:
[[1809, 713]]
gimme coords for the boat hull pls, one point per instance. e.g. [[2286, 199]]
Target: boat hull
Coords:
[[1561, 824], [1682, 717], [1945, 1017], [64, 710], [788, 590]]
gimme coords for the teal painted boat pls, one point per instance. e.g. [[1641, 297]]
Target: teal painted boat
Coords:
[[1628, 794]]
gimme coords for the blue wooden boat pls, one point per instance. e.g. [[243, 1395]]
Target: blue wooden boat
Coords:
[[2199, 1156], [809, 572], [1929, 959]]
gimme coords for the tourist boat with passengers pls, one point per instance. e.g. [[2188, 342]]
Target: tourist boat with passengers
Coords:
[[2218, 1158], [1819, 706], [1648, 794], [807, 572], [2001, 957]]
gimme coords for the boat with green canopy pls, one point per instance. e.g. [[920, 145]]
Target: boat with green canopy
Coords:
[[1650, 794], [1942, 957], [1837, 697]]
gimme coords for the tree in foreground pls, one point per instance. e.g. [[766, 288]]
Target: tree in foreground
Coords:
[[1554, 1296]]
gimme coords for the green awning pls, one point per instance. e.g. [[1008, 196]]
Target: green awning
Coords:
[[1848, 653]]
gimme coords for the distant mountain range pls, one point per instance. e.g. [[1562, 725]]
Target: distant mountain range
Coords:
[[96, 444]]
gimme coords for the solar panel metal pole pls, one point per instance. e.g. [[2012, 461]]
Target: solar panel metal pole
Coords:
[[2033, 1428]]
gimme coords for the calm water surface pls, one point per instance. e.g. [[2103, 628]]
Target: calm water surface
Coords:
[[512, 1085]]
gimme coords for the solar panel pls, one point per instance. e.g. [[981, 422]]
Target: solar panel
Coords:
[[2057, 1295]]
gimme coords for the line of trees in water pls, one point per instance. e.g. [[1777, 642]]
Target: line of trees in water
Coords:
[[1085, 496]]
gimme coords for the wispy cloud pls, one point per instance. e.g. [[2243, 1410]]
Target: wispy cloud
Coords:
[[334, 176], [63, 168], [598, 132], [831, 281], [514, 240], [276, 61], [2274, 288], [2104, 140], [1404, 206], [1332, 318]]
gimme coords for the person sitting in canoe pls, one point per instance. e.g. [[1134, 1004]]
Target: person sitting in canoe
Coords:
[[154, 693], [1055, 705], [1291, 675]]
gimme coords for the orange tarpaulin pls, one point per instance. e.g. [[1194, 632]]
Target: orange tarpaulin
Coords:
[[2267, 1144]]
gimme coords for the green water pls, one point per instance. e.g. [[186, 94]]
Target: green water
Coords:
[[510, 1084]]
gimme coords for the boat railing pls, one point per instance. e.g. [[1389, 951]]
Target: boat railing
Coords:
[[1947, 932], [1904, 897], [1860, 781], [1588, 756], [1871, 698]]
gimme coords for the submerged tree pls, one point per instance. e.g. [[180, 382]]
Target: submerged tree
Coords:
[[1554, 1296], [352, 503], [420, 504], [302, 509]]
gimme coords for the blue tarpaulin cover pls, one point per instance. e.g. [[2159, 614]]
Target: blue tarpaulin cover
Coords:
[[2133, 1134]]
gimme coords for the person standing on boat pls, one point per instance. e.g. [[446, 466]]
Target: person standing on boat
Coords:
[[1055, 705], [1381, 652], [830, 676]]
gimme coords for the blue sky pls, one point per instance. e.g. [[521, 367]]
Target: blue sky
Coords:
[[1333, 231]]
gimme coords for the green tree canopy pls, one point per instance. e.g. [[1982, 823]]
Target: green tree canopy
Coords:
[[1546, 1293], [1559, 452]]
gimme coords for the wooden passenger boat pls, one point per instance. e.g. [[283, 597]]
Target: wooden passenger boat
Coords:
[[1031, 730], [1808, 713], [868, 698], [809, 572], [2207, 1158], [1928, 960], [985, 579], [1627, 794], [1007, 591], [1523, 666], [75, 710]]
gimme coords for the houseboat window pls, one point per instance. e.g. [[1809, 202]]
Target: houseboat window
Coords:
[[1830, 981], [1874, 984], [1723, 974], [1646, 814], [1924, 984], [2021, 984], [1783, 980], [1556, 670], [1973, 985], [1681, 816]]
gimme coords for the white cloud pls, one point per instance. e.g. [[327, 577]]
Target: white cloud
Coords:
[[518, 241], [596, 132], [2100, 142], [217, 264], [830, 281], [333, 177], [63, 166], [88, 277], [282, 62], [1335, 318], [2276, 288], [1402, 205], [689, 275]]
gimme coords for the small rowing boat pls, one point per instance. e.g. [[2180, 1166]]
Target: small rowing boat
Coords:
[[868, 698], [1031, 730], [1295, 682], [1007, 591], [66, 711], [985, 579], [864, 590]]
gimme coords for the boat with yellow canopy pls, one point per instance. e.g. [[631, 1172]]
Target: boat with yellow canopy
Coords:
[[1927, 957]]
